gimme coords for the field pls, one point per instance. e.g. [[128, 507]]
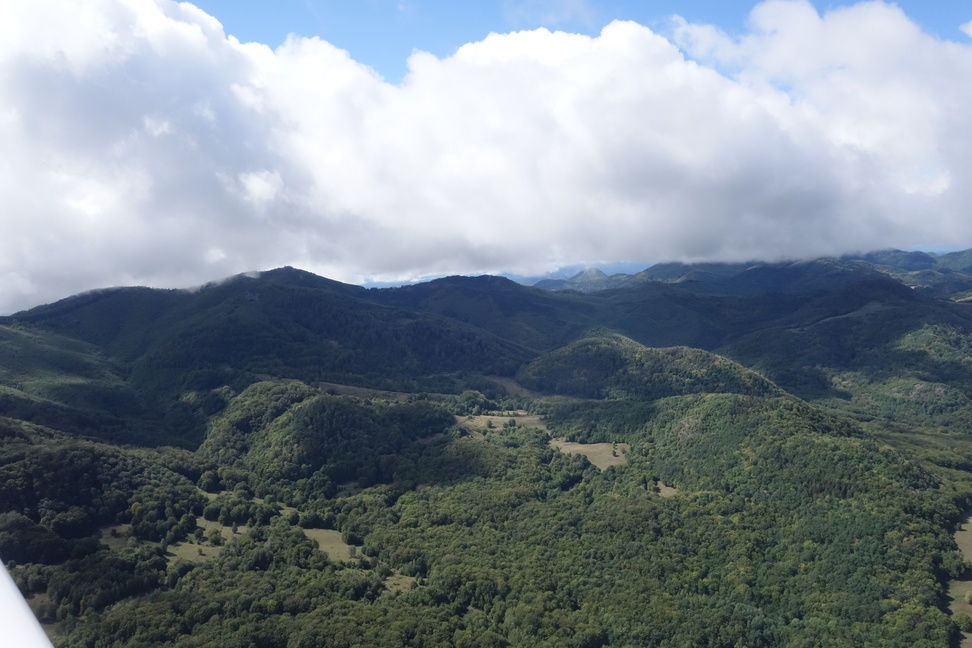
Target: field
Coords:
[[116, 536], [191, 552], [493, 421], [963, 585], [331, 543], [666, 491], [398, 583], [602, 455]]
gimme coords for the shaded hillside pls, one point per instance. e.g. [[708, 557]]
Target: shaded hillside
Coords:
[[284, 323], [654, 314], [534, 318]]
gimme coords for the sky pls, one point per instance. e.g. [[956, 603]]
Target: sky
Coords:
[[151, 142], [384, 33]]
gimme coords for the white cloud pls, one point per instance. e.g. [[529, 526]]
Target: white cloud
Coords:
[[143, 146], [260, 187]]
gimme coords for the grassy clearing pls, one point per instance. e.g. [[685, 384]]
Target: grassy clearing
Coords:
[[963, 538], [50, 626], [963, 585], [116, 536], [189, 552], [602, 455], [665, 491], [226, 532], [192, 552], [330, 542], [498, 420], [956, 593], [398, 583]]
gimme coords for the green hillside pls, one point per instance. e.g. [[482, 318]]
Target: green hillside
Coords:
[[618, 368], [72, 386], [280, 460]]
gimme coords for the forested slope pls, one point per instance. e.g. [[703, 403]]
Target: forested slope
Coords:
[[283, 461]]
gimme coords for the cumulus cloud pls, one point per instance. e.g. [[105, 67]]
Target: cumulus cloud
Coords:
[[143, 145]]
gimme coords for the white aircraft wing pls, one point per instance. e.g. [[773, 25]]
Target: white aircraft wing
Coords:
[[19, 625]]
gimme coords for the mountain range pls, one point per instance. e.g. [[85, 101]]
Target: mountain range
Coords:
[[279, 459]]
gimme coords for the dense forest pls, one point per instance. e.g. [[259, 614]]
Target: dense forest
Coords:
[[717, 455]]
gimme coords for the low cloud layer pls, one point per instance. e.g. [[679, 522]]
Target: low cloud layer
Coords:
[[142, 146]]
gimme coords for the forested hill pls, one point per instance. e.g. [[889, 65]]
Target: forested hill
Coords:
[[710, 455]]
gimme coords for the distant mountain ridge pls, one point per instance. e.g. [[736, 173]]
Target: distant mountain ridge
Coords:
[[941, 275]]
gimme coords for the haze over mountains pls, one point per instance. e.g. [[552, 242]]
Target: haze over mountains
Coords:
[[915, 268], [280, 459]]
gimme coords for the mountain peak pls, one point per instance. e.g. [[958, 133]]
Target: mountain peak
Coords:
[[589, 274]]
